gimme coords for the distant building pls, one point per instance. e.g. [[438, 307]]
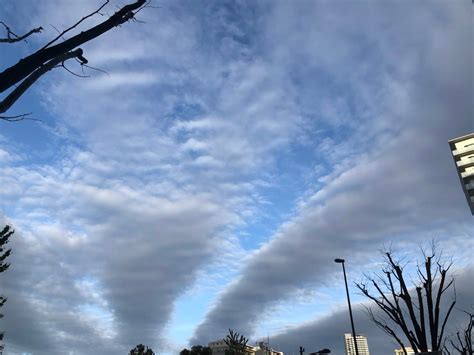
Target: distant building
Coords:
[[219, 347], [407, 348], [362, 344], [410, 351], [463, 154], [264, 349]]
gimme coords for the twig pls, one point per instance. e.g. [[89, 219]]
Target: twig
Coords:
[[75, 25], [16, 118], [58, 31], [96, 69], [15, 37], [71, 72]]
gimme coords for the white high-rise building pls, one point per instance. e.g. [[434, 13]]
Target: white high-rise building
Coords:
[[362, 344], [463, 154]]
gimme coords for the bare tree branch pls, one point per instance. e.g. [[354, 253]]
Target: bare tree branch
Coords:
[[31, 63], [405, 296], [462, 341], [405, 306], [25, 84], [387, 329], [96, 69], [21, 117], [440, 339], [63, 65], [61, 34], [12, 37]]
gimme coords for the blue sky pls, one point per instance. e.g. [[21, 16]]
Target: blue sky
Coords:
[[231, 153]]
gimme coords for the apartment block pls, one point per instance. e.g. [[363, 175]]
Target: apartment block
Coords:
[[409, 350], [362, 344], [462, 149]]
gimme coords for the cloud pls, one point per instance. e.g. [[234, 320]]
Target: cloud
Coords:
[[214, 117], [143, 250], [118, 80], [390, 193], [126, 203]]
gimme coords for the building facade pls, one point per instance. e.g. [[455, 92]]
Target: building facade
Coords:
[[362, 344], [264, 349], [407, 348], [463, 155], [410, 351], [219, 347]]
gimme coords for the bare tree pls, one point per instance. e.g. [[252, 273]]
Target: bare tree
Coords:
[[5, 235], [18, 78], [461, 342], [411, 313]]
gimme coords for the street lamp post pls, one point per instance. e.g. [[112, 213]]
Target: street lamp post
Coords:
[[341, 261], [322, 351]]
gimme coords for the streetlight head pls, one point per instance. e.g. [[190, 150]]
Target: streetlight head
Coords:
[[339, 261]]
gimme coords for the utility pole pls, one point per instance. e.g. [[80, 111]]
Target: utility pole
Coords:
[[301, 350]]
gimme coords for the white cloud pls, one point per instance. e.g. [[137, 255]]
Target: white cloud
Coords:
[[381, 191], [117, 81], [211, 114]]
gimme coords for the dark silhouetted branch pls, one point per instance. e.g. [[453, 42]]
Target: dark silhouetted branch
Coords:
[[30, 64], [21, 117], [12, 37], [61, 34], [31, 79], [462, 341], [406, 307]]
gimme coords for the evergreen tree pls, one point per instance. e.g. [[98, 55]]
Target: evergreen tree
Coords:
[[5, 235], [141, 349]]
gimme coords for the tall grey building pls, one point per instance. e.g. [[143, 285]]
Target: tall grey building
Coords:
[[463, 154], [362, 344]]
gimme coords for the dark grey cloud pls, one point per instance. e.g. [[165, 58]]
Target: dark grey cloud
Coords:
[[41, 314], [140, 257], [21, 326], [402, 191]]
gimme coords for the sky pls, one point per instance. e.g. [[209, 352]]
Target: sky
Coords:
[[230, 151]]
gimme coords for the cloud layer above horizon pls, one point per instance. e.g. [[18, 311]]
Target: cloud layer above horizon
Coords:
[[233, 150]]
